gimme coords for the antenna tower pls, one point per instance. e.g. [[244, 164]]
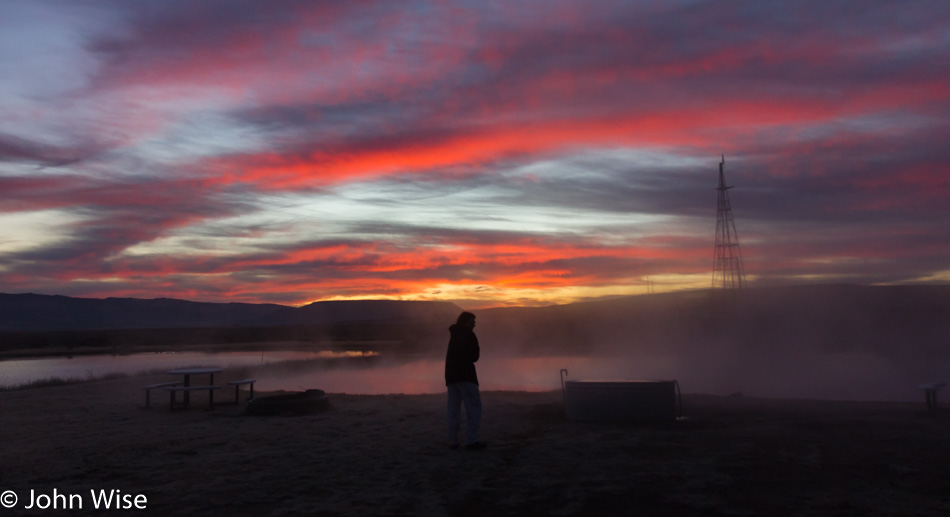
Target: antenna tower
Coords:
[[728, 272]]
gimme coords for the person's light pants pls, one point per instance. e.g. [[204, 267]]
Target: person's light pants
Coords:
[[464, 393]]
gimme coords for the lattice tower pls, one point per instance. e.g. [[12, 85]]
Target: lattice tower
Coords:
[[728, 271]]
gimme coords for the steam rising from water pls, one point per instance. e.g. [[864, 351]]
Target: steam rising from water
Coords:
[[846, 376], [823, 342], [796, 374]]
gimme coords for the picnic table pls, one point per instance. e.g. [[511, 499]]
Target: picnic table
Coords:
[[187, 387]]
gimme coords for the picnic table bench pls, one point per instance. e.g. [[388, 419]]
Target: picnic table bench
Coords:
[[151, 387], [173, 390], [237, 388], [930, 394]]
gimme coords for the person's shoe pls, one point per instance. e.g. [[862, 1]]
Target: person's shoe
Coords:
[[475, 446]]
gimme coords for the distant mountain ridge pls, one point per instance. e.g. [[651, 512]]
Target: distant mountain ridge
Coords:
[[869, 314], [37, 312], [347, 311]]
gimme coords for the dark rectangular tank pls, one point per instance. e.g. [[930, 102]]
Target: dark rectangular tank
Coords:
[[620, 400]]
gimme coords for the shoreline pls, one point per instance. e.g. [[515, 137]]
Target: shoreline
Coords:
[[56, 379]]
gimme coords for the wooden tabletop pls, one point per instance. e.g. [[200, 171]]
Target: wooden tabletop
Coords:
[[193, 371]]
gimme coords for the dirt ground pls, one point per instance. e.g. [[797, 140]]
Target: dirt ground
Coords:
[[386, 455]]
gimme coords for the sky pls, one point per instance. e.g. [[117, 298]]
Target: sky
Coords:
[[479, 152]]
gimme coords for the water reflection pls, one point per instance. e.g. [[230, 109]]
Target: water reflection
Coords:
[[335, 371], [22, 371], [835, 378], [425, 375], [839, 377]]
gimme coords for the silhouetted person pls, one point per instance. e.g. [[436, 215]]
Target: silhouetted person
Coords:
[[462, 381]]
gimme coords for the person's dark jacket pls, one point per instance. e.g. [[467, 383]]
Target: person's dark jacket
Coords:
[[461, 356]]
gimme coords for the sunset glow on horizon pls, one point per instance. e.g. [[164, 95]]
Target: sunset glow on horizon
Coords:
[[483, 153]]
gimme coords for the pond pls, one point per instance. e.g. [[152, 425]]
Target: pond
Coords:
[[356, 372], [836, 376], [82, 367]]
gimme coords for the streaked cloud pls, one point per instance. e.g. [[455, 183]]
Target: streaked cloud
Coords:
[[486, 153]]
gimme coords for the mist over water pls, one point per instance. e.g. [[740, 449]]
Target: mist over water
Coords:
[[791, 374], [838, 342], [821, 342], [425, 375], [15, 372], [845, 376]]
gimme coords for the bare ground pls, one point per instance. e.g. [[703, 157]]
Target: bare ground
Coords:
[[386, 455]]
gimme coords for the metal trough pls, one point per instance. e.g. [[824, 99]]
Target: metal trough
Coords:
[[619, 400]]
